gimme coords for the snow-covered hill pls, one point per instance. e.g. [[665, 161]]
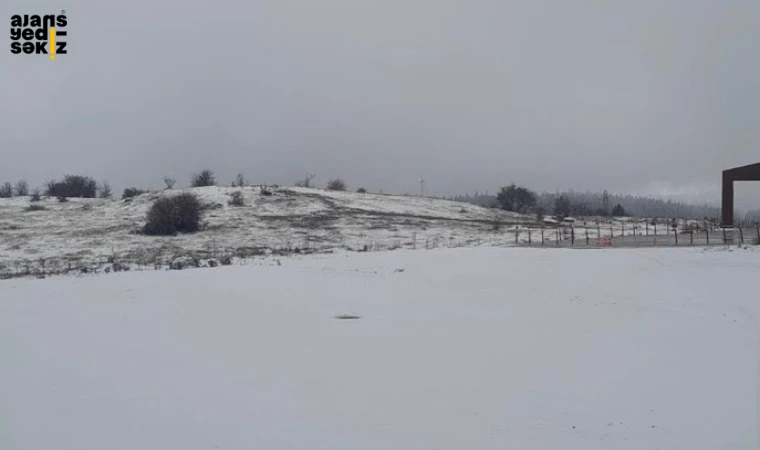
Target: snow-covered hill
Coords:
[[96, 232]]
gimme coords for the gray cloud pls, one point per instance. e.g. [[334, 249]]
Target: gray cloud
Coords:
[[646, 96]]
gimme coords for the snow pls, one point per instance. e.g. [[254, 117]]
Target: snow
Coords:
[[94, 233], [91, 232], [483, 348]]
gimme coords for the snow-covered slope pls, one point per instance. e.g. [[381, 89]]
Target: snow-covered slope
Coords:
[[453, 349], [96, 231]]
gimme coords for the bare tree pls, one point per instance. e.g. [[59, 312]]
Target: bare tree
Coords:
[[306, 182], [22, 188], [170, 182], [105, 190], [239, 181]]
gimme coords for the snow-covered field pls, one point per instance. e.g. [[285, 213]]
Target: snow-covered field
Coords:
[[453, 349], [96, 233]]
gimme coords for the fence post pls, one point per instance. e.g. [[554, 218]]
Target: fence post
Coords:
[[556, 235], [707, 233], [517, 234], [646, 224], [724, 235], [598, 232], [741, 235], [675, 233], [587, 237], [572, 235], [692, 237], [758, 232], [655, 227], [612, 233], [542, 237], [529, 241], [622, 229]]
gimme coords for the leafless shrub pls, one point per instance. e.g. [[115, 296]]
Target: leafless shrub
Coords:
[[171, 215], [237, 199], [132, 192], [203, 178], [306, 182], [73, 186], [336, 185], [239, 181], [170, 182], [6, 190], [105, 190]]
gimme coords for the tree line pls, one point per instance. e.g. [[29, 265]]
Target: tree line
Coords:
[[573, 203], [80, 186]]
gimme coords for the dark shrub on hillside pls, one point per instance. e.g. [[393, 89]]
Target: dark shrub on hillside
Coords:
[[34, 208], [132, 192], [237, 199], [172, 215], [73, 186], [35, 195], [361, 190], [336, 185], [6, 190], [203, 178]]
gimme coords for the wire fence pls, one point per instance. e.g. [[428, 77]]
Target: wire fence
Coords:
[[601, 237], [610, 235]]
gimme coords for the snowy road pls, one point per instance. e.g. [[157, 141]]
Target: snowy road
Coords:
[[462, 349]]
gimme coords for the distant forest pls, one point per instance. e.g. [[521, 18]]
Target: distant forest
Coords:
[[753, 215], [590, 203]]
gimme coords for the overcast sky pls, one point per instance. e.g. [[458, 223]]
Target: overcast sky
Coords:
[[646, 96]]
